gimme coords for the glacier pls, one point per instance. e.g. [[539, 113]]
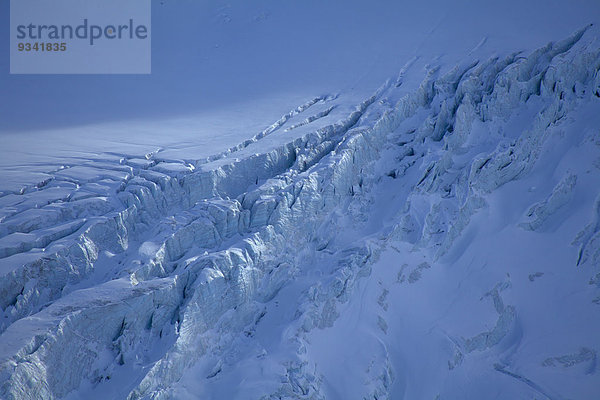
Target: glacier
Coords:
[[439, 238]]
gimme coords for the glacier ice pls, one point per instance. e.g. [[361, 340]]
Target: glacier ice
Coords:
[[147, 268]]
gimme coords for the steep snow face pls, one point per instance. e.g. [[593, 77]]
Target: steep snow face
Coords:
[[439, 239]]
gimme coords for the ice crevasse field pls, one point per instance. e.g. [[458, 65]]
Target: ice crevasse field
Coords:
[[310, 200]]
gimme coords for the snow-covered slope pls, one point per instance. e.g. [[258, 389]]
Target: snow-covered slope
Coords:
[[438, 239], [311, 201], [223, 69]]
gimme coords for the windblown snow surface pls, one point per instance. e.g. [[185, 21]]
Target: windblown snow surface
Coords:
[[439, 239]]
